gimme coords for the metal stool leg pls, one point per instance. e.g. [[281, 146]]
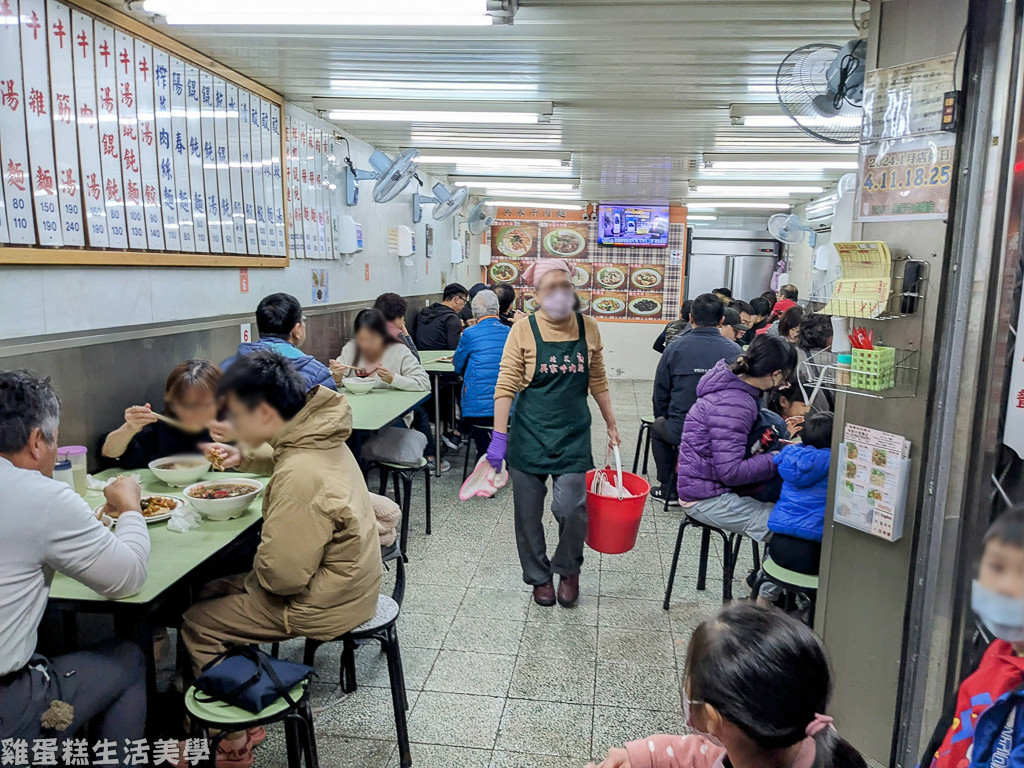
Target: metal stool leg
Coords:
[[675, 562], [757, 555], [731, 546], [426, 493], [702, 566], [309, 651], [639, 442], [398, 698], [348, 666], [293, 744], [306, 712], [647, 449]]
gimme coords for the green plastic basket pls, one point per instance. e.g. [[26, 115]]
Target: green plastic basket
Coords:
[[873, 369]]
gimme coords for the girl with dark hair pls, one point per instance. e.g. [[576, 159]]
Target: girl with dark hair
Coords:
[[789, 324], [713, 455], [755, 692], [789, 403], [814, 336], [190, 397]]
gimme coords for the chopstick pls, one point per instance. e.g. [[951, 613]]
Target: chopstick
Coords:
[[346, 365], [176, 424]]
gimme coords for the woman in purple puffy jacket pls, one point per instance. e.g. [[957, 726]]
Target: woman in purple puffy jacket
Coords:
[[713, 454]]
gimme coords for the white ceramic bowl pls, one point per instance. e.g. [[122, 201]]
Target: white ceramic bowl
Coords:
[[359, 386], [179, 478], [224, 509]]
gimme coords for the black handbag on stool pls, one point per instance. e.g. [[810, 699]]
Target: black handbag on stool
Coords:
[[248, 678]]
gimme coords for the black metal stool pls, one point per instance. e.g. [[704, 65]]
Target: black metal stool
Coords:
[[643, 437], [403, 495], [730, 554], [226, 718], [791, 582]]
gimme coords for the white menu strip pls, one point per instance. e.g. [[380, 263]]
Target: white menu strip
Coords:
[[235, 167], [268, 179], [110, 140], [90, 170], [245, 160], [275, 174], [195, 158], [220, 125], [209, 146], [13, 140], [292, 193], [179, 143], [144, 92], [167, 190], [65, 128], [42, 166], [128, 121], [257, 174]]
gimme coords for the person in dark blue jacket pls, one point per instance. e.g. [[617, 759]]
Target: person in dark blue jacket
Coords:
[[477, 359], [686, 359], [282, 327], [798, 519]]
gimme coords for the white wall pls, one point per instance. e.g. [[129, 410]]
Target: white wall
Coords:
[[37, 300], [628, 353]]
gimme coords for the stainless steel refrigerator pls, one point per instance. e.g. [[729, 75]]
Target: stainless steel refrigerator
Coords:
[[738, 259]]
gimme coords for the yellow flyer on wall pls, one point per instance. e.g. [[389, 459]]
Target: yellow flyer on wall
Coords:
[[865, 281], [906, 179]]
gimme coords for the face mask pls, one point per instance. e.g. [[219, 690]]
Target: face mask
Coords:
[[688, 719], [1003, 616], [558, 304]]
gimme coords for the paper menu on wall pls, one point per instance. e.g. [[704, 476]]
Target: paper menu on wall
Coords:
[[871, 481], [252, 238], [86, 107], [110, 135], [145, 90], [65, 129], [865, 283], [128, 122], [13, 140]]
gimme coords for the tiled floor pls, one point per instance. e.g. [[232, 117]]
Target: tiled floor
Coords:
[[495, 681]]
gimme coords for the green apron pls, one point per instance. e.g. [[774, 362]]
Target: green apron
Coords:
[[550, 432]]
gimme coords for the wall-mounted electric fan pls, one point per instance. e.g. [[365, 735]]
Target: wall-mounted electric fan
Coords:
[[392, 176], [481, 217], [821, 86], [446, 200], [788, 228]]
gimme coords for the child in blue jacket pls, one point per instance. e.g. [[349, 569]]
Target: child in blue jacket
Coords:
[[798, 519]]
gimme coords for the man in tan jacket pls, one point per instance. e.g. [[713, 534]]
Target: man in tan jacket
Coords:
[[317, 569]]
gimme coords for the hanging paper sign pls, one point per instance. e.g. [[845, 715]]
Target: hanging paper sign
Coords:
[[87, 108], [268, 179], [208, 144], [167, 189], [257, 174], [110, 139], [13, 141], [220, 145], [179, 144], [275, 175], [42, 166], [127, 118], [145, 90], [65, 128], [245, 153], [193, 119], [292, 192], [303, 191], [330, 204], [227, 120], [907, 99]]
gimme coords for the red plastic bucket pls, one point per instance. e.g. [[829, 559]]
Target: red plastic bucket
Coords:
[[613, 523]]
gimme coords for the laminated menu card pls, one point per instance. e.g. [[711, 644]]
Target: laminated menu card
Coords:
[[865, 284], [871, 481]]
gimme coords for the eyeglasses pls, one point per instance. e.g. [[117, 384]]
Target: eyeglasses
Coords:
[[304, 320]]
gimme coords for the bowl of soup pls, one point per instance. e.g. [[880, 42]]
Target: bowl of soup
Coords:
[[180, 471], [357, 386], [222, 499]]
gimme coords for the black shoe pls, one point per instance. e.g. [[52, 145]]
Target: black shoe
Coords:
[[659, 495], [452, 440]]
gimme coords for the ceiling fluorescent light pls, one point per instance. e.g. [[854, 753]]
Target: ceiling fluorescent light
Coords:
[[768, 161], [745, 205], [534, 204], [490, 157], [513, 182], [431, 111], [709, 190], [772, 116], [701, 218], [439, 86], [327, 12]]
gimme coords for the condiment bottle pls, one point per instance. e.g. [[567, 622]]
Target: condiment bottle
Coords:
[[62, 470], [78, 455]]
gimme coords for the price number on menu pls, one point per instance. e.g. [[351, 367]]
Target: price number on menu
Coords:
[[908, 178]]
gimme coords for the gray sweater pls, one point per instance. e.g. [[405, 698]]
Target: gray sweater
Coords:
[[46, 527]]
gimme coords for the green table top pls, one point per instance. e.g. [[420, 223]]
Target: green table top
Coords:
[[380, 407], [173, 555], [429, 359]]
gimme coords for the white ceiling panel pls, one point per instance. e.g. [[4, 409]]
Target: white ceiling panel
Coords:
[[640, 89]]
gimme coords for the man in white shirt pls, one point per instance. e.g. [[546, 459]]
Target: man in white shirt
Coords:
[[46, 527]]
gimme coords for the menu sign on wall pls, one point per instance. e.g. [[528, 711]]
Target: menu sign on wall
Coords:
[[110, 141]]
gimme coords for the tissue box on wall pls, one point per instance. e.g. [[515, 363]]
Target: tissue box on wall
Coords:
[[456, 252], [484, 254]]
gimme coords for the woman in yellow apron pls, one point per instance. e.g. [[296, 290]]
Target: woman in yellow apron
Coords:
[[551, 360]]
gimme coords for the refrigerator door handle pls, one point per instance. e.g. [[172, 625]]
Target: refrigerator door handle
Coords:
[[730, 271]]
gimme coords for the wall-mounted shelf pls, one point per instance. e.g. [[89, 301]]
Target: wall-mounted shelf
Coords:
[[905, 296], [824, 372]]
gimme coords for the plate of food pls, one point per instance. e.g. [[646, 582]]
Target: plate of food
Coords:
[[504, 272], [611, 277], [580, 275], [607, 305], [645, 306], [515, 241], [646, 277], [223, 499], [564, 243], [154, 509]]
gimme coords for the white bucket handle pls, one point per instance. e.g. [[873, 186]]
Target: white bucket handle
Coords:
[[618, 469]]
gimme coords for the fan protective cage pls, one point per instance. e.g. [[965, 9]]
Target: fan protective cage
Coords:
[[804, 94]]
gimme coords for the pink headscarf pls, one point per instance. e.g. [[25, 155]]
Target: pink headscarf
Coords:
[[534, 273]]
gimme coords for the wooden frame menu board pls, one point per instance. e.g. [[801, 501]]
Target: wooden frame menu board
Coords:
[[121, 146]]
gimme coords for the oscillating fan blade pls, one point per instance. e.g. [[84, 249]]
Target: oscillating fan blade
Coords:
[[450, 204], [396, 176], [480, 218]]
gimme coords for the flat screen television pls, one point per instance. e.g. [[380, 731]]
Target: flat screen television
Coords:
[[637, 226]]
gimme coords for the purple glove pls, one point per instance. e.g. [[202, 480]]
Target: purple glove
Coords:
[[497, 449]]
